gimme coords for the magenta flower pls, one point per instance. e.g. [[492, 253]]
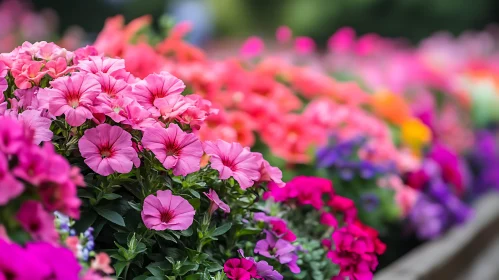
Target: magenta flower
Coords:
[[12, 137], [37, 222], [167, 211], [9, 187], [231, 159], [16, 263], [108, 149], [174, 148], [60, 260], [240, 269], [157, 86], [72, 96], [216, 202]]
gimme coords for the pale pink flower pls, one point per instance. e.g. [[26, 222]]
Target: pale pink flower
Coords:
[[108, 149], [27, 73], [216, 202], [167, 211], [113, 108], [269, 173], [72, 96], [174, 148], [36, 126], [97, 64], [171, 106], [9, 187], [232, 160], [139, 118], [157, 86], [37, 222]]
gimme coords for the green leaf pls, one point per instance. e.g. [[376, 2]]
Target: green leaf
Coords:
[[193, 277], [222, 229], [188, 232], [213, 266], [166, 236], [194, 193], [118, 267], [186, 268], [110, 215], [141, 277], [195, 202], [155, 270], [248, 231], [135, 206], [111, 196]]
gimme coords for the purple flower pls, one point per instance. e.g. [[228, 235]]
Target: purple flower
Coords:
[[266, 271], [428, 218], [279, 249]]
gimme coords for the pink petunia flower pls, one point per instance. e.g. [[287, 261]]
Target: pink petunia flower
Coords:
[[167, 211], [304, 45], [232, 160], [37, 222], [108, 149], [283, 34], [240, 269], [9, 186], [269, 173], [97, 65], [252, 47], [37, 127], [171, 106], [157, 86], [174, 148], [72, 96], [216, 202]]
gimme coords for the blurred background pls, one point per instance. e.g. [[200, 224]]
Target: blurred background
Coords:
[[412, 19]]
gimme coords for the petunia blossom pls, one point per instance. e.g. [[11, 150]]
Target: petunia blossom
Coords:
[[157, 86], [174, 148], [167, 211], [232, 160], [9, 186], [108, 149], [37, 222], [72, 96], [216, 202]]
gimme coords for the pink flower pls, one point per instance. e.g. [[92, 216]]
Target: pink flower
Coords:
[[27, 73], [157, 86], [9, 187], [102, 263], [37, 222], [11, 136], [252, 47], [171, 106], [174, 148], [232, 160], [328, 219], [58, 67], [304, 45], [37, 127], [16, 263], [112, 88], [97, 64], [269, 173], [108, 149], [72, 96], [283, 34], [216, 202], [138, 118], [240, 269], [167, 211]]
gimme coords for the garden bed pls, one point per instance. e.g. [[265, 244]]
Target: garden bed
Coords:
[[465, 252]]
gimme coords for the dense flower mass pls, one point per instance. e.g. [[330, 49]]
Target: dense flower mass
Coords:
[[262, 166]]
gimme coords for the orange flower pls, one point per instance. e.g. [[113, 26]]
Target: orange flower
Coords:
[[390, 106], [415, 134]]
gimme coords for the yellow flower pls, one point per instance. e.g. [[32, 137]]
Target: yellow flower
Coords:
[[415, 134]]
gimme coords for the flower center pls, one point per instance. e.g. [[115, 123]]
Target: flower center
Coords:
[[105, 153], [166, 216], [73, 102]]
